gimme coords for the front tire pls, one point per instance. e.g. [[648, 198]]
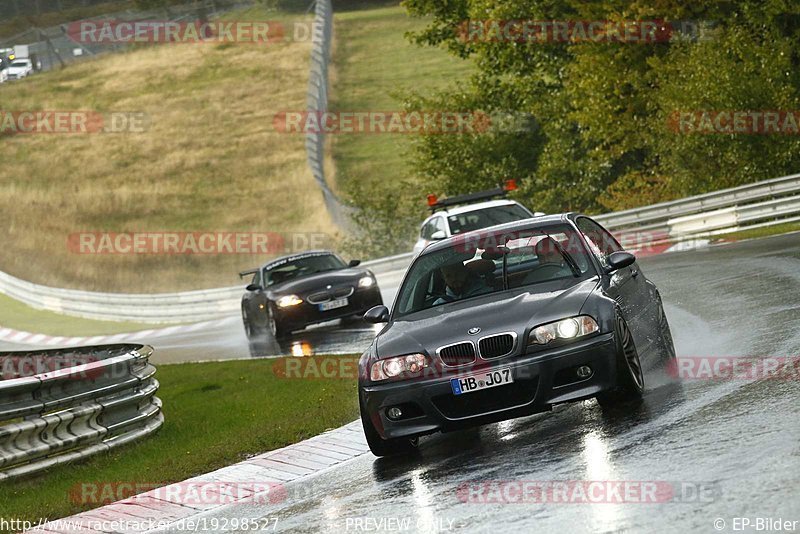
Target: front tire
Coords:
[[384, 447], [630, 376], [251, 329], [278, 330]]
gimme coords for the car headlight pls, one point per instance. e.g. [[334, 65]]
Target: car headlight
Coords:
[[289, 300], [394, 367], [569, 328], [367, 281]]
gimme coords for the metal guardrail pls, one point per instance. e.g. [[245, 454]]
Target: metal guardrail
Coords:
[[317, 102], [753, 205], [102, 399], [659, 214]]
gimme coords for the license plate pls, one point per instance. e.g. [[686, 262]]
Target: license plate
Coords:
[[491, 379], [332, 305]]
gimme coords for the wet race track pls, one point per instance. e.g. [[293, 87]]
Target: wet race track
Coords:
[[715, 450]]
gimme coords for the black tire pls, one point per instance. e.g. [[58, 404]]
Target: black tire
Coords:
[[665, 342], [630, 375], [384, 447], [251, 329], [276, 328]]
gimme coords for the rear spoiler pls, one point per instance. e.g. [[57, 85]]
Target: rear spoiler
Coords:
[[247, 273]]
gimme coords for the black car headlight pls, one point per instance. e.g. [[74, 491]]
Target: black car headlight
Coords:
[[288, 301], [366, 281], [399, 366], [569, 328]]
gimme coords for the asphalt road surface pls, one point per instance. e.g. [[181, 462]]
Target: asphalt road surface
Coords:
[[717, 451]]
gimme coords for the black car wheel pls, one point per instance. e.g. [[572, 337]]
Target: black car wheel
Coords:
[[665, 334], [250, 329], [384, 447], [277, 329], [630, 376]]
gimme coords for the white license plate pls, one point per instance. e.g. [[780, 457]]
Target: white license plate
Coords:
[[334, 304], [491, 379]]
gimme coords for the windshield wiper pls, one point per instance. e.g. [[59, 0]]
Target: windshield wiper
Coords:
[[573, 265]]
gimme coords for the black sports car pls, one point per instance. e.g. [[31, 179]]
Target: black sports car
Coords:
[[293, 292], [507, 322]]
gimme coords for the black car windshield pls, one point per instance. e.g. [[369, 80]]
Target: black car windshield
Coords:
[[485, 262], [484, 218], [305, 266]]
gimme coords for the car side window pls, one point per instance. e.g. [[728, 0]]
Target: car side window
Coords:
[[427, 229], [602, 243], [439, 224]]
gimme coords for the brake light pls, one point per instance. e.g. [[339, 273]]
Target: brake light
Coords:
[[510, 185], [432, 200]]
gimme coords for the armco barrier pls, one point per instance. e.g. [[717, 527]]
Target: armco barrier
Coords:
[[753, 205], [102, 398]]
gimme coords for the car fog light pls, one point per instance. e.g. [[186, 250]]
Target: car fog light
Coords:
[[394, 412], [584, 372]]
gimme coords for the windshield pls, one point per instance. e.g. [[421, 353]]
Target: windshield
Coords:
[[484, 263], [479, 219], [300, 267]]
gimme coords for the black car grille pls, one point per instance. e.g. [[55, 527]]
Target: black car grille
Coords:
[[459, 354], [487, 400], [330, 294], [496, 346]]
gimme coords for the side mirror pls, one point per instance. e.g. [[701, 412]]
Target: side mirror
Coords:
[[620, 260], [438, 235], [253, 287], [377, 315], [354, 263]]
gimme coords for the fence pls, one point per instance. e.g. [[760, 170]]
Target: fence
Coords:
[[317, 101], [102, 399]]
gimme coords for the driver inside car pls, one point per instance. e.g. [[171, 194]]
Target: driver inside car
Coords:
[[551, 262], [460, 283]]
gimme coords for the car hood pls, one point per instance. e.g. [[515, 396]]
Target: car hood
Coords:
[[318, 281], [507, 311]]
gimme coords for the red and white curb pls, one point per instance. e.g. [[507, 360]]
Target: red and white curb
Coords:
[[28, 338], [164, 508]]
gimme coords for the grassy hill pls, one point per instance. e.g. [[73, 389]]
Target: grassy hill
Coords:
[[375, 66], [210, 160]]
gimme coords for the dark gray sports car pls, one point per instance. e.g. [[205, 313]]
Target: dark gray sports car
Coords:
[[507, 322], [293, 292]]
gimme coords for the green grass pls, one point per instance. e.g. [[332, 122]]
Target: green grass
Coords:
[[765, 231], [216, 414], [19, 316], [375, 65]]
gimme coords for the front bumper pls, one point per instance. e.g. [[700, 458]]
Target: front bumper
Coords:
[[541, 380], [305, 314]]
